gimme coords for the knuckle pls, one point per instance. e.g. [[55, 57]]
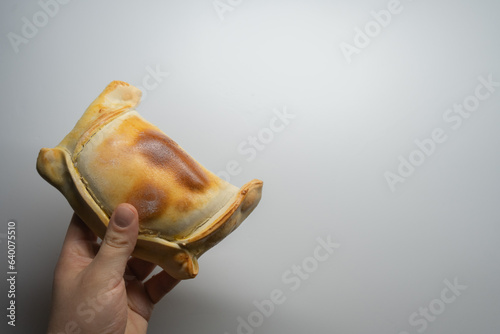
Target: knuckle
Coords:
[[114, 241]]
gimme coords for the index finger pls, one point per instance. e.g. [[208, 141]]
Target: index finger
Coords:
[[159, 285], [79, 240]]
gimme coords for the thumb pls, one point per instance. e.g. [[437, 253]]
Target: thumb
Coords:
[[118, 243]]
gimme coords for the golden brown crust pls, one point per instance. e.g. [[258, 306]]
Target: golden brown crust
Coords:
[[117, 166], [113, 155], [118, 97], [230, 218]]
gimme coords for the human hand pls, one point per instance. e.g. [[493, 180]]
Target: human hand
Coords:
[[99, 288]]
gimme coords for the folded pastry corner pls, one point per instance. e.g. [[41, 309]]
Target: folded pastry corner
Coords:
[[113, 156]]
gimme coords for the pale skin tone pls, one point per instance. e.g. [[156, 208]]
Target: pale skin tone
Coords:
[[100, 288]]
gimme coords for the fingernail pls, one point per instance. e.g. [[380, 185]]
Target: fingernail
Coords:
[[123, 216]]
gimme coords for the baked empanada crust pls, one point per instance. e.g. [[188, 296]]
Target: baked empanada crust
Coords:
[[113, 155]]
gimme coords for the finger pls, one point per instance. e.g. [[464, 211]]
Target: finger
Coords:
[[118, 243], [140, 268], [159, 285], [79, 239], [138, 300]]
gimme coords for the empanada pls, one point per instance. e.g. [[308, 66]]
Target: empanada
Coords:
[[113, 155]]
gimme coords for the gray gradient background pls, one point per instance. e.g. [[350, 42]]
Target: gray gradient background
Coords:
[[324, 174]]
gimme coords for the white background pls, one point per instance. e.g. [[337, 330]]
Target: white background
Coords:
[[323, 174]]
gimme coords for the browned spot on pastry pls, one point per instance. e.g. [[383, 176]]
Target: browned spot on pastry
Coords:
[[149, 200], [162, 151]]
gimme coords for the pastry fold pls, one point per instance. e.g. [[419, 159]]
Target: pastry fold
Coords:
[[113, 156]]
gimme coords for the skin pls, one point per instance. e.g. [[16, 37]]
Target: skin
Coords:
[[100, 288]]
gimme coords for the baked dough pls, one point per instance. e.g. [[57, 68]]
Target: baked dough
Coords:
[[113, 156]]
